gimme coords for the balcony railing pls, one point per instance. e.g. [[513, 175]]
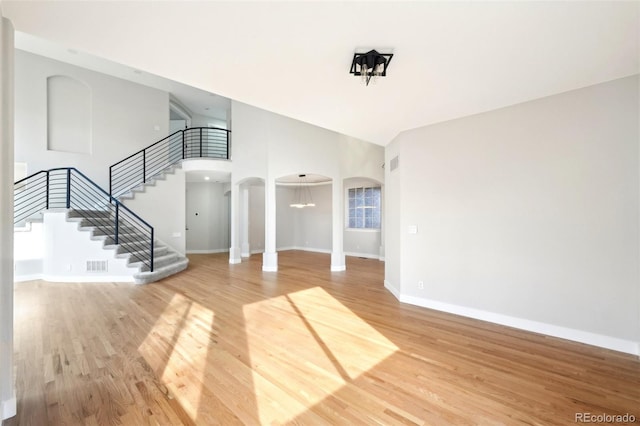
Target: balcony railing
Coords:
[[194, 142]]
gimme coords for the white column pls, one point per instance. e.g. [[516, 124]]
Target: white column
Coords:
[[244, 207], [337, 253], [381, 249], [270, 256], [234, 249], [7, 385]]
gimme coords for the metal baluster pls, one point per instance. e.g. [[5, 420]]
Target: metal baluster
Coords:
[[68, 188], [47, 191], [151, 267], [117, 224]]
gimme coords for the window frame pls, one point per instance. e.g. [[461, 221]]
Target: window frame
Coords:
[[349, 208]]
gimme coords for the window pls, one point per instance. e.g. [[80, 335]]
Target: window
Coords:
[[364, 208]]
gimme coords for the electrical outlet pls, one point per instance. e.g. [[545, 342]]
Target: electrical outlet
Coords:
[[421, 285]]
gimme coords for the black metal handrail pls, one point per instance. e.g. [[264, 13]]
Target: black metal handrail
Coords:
[[68, 188], [193, 142]]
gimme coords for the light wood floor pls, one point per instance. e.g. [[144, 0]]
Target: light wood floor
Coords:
[[229, 344]]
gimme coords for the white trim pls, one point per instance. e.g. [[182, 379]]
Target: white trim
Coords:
[[9, 408], [30, 277], [207, 251], [338, 268], [347, 229], [257, 251], [269, 268], [233, 261], [608, 342], [88, 278], [392, 289], [381, 258], [315, 250], [297, 184], [366, 255]]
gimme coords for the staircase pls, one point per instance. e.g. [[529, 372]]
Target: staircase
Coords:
[[147, 164], [95, 211], [130, 194], [104, 215], [166, 262]]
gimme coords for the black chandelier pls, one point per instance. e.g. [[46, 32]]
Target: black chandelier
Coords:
[[370, 65]]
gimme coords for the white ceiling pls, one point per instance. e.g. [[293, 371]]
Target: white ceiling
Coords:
[[452, 59], [210, 176], [197, 101]]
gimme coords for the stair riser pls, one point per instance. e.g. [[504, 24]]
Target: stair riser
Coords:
[[160, 273]]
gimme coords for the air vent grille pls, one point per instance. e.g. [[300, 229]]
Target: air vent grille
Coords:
[[97, 266], [394, 163]]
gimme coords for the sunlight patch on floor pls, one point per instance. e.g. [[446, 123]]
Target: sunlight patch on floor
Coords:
[[177, 348], [307, 359]]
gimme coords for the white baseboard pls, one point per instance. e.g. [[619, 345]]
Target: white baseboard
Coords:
[[234, 261], [88, 279], [607, 342], [392, 289], [208, 251], [30, 277], [365, 255], [311, 249], [8, 408]]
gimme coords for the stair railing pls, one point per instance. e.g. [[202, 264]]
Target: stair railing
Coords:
[[193, 142], [68, 188]]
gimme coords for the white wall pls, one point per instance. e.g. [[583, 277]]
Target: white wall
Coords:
[[313, 224], [56, 250], [208, 230], [526, 215], [28, 251], [126, 117], [67, 250], [256, 218], [198, 120], [163, 205], [269, 146], [286, 219]]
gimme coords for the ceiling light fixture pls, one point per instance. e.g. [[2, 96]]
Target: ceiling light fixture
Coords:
[[302, 197], [370, 65]]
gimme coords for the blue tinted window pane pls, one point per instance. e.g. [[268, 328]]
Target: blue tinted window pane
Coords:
[[364, 207]]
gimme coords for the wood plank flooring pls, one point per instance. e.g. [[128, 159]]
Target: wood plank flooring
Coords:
[[229, 344]]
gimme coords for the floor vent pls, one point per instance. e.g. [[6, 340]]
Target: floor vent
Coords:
[[97, 266]]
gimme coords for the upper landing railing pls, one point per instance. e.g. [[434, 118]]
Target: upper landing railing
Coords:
[[193, 142]]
